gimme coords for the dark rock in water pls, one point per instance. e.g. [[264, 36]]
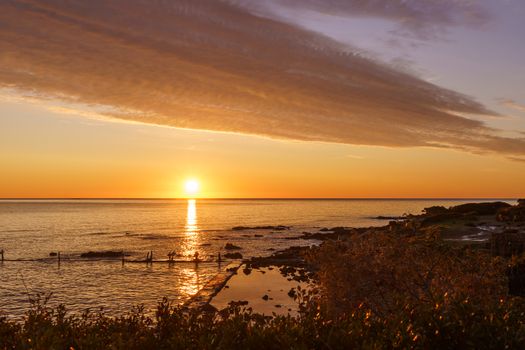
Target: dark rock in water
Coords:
[[292, 293], [435, 210], [230, 246], [278, 305], [258, 235], [325, 234], [233, 256], [106, 254], [247, 271], [490, 208], [276, 228], [339, 229], [287, 270], [389, 217], [53, 254], [265, 297]]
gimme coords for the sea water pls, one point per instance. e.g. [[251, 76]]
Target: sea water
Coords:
[[32, 229]]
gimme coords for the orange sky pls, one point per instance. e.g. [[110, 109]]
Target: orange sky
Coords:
[[299, 98], [73, 156]]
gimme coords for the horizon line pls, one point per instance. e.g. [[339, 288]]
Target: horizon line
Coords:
[[255, 198]]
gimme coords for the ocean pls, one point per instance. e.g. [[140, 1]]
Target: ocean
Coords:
[[32, 229]]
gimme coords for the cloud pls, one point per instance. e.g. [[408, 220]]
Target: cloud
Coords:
[[423, 19], [213, 65], [517, 159], [512, 104]]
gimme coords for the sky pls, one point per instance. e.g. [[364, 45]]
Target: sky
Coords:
[[273, 98]]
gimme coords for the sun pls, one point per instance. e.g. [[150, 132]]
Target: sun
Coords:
[[191, 187]]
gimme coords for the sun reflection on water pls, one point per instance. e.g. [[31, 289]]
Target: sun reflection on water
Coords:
[[191, 243], [191, 217]]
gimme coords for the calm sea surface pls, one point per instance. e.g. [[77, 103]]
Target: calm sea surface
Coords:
[[31, 230]]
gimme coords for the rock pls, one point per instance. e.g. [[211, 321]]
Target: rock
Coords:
[[512, 214], [389, 217], [276, 228], [53, 254], [247, 271], [230, 246], [265, 297], [233, 256], [258, 235], [106, 254], [489, 208], [435, 210], [278, 305]]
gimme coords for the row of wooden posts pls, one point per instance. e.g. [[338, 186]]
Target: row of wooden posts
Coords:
[[149, 257]]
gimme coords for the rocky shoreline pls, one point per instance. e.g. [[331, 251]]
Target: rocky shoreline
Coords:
[[497, 227]]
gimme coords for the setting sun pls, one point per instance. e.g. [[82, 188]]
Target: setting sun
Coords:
[[191, 187]]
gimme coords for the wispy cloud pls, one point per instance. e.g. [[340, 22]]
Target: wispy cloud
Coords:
[[423, 19], [512, 104], [214, 65]]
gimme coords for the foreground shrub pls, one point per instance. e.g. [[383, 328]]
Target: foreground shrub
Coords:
[[382, 270]]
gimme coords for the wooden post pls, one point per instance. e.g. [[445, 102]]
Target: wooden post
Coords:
[[122, 258], [58, 258], [2, 252]]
